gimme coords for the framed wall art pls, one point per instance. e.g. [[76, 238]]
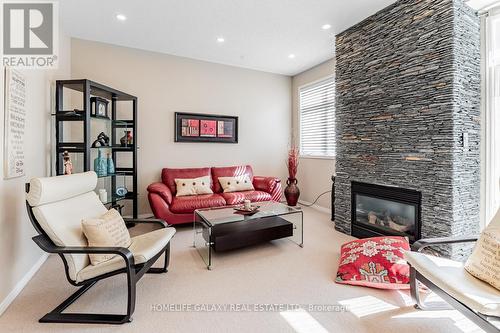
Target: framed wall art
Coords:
[[195, 127]]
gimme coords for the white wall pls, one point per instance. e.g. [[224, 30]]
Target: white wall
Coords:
[[165, 84], [19, 254], [314, 174]]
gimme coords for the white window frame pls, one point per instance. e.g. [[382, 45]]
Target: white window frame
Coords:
[[299, 121]]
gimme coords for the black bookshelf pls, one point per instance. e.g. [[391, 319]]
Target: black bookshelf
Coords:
[[83, 149]]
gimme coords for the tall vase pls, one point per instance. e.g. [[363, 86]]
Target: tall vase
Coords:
[[100, 165], [111, 165], [127, 139], [292, 192]]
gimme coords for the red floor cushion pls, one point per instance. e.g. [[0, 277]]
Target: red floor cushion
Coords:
[[189, 204], [375, 262], [236, 198]]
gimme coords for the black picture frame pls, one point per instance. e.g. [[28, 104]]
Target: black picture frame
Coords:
[[197, 127], [96, 110]]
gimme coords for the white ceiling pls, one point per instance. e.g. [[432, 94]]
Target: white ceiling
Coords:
[[259, 34]]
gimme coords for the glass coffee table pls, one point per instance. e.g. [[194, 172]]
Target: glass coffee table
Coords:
[[222, 229]]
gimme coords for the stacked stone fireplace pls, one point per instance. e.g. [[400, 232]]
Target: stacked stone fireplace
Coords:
[[408, 110]]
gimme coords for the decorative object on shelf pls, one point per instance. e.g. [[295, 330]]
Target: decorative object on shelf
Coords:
[[127, 139], [292, 191], [74, 113], [102, 141], [121, 191], [103, 195], [68, 165], [110, 165], [100, 165], [193, 127], [99, 107]]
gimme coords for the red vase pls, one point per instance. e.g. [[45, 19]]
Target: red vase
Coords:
[[292, 192]]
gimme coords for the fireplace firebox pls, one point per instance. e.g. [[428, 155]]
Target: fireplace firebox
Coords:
[[385, 211]]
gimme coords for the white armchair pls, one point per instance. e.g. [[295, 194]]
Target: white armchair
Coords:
[[56, 206], [477, 300]]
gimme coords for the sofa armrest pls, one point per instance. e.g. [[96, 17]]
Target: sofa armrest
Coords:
[[421, 244], [271, 185], [162, 190], [265, 184]]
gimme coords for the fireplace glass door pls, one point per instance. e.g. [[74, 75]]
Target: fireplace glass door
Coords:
[[385, 211]]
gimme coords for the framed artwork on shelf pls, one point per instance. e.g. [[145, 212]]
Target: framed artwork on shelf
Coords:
[[195, 127], [99, 107]]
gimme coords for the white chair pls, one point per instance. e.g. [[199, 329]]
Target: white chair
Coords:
[[56, 207], [477, 300]]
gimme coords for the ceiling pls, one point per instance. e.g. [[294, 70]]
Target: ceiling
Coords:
[[258, 34]]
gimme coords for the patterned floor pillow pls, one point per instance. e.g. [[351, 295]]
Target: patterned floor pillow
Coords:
[[375, 262]]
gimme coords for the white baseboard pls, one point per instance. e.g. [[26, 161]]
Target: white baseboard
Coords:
[[317, 207], [21, 284]]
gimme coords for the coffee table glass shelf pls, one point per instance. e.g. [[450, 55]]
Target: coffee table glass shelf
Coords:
[[221, 229]]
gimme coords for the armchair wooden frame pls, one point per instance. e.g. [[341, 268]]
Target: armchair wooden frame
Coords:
[[481, 320], [134, 274]]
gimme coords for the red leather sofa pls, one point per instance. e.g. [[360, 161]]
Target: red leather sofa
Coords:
[[178, 210]]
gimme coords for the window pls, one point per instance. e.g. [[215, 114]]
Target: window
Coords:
[[317, 119], [491, 115]]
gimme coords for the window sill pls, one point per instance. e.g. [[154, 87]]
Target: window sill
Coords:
[[317, 157]]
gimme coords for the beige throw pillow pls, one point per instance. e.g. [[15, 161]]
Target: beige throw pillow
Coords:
[[484, 262], [236, 184], [193, 186], [106, 230]]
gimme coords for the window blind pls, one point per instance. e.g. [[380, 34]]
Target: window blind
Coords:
[[317, 119]]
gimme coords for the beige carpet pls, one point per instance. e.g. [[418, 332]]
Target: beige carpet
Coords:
[[276, 273]]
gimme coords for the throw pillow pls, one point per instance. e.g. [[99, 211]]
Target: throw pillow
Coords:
[[106, 230], [375, 262], [484, 262], [236, 184], [193, 186]]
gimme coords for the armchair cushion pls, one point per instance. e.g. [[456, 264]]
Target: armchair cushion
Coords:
[[236, 198], [62, 220], [162, 190], [108, 230], [51, 189], [484, 261], [189, 204], [451, 277], [143, 247]]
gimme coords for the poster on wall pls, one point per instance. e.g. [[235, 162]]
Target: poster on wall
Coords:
[[15, 121], [194, 127]]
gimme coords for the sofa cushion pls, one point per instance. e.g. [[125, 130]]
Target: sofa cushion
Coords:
[[193, 186], [168, 176], [451, 277], [143, 247], [191, 203], [236, 184], [236, 198], [233, 171]]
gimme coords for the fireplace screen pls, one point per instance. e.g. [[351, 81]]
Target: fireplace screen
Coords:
[[380, 210]]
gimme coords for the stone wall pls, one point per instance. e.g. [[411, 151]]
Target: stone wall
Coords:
[[408, 82]]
